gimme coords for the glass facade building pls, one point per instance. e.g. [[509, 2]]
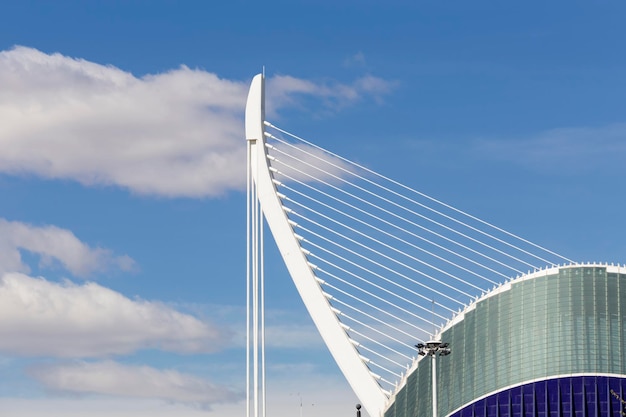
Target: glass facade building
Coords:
[[550, 343]]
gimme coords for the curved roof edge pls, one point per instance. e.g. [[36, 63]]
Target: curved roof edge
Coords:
[[505, 286]]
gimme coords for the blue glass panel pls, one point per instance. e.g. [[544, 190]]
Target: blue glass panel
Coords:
[[479, 408], [565, 389], [554, 408], [492, 405], [590, 398], [540, 399], [578, 401], [527, 398], [466, 412], [516, 401], [504, 404]]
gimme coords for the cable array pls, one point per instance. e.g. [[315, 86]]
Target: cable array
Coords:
[[394, 264]]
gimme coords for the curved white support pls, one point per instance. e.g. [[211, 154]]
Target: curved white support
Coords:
[[342, 349]]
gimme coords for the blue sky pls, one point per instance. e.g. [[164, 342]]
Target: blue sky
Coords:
[[122, 173]]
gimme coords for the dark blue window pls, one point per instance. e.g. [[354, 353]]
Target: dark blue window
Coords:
[[588, 396]]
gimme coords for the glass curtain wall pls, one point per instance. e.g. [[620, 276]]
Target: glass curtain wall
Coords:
[[544, 326]]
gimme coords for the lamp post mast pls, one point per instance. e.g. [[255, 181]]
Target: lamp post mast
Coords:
[[433, 348], [433, 361]]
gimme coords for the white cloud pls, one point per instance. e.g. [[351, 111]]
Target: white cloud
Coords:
[[111, 378], [178, 133], [96, 407], [42, 318], [53, 244], [106, 407], [175, 133], [284, 329], [319, 395]]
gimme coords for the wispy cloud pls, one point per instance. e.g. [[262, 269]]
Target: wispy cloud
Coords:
[[115, 379], [309, 394], [283, 90], [566, 150], [105, 406], [356, 60], [178, 133], [42, 318], [302, 162], [54, 244], [292, 336]]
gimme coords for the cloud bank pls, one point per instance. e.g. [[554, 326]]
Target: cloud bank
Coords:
[[54, 244], [173, 134], [42, 318], [111, 378]]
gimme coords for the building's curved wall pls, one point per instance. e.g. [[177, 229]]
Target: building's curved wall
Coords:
[[576, 396], [563, 321]]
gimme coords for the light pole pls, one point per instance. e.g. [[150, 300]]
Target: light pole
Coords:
[[433, 348]]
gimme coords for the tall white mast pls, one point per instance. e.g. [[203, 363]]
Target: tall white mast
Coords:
[[262, 188], [255, 334]]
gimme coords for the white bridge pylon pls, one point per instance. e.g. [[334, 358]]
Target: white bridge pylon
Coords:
[[379, 266]]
